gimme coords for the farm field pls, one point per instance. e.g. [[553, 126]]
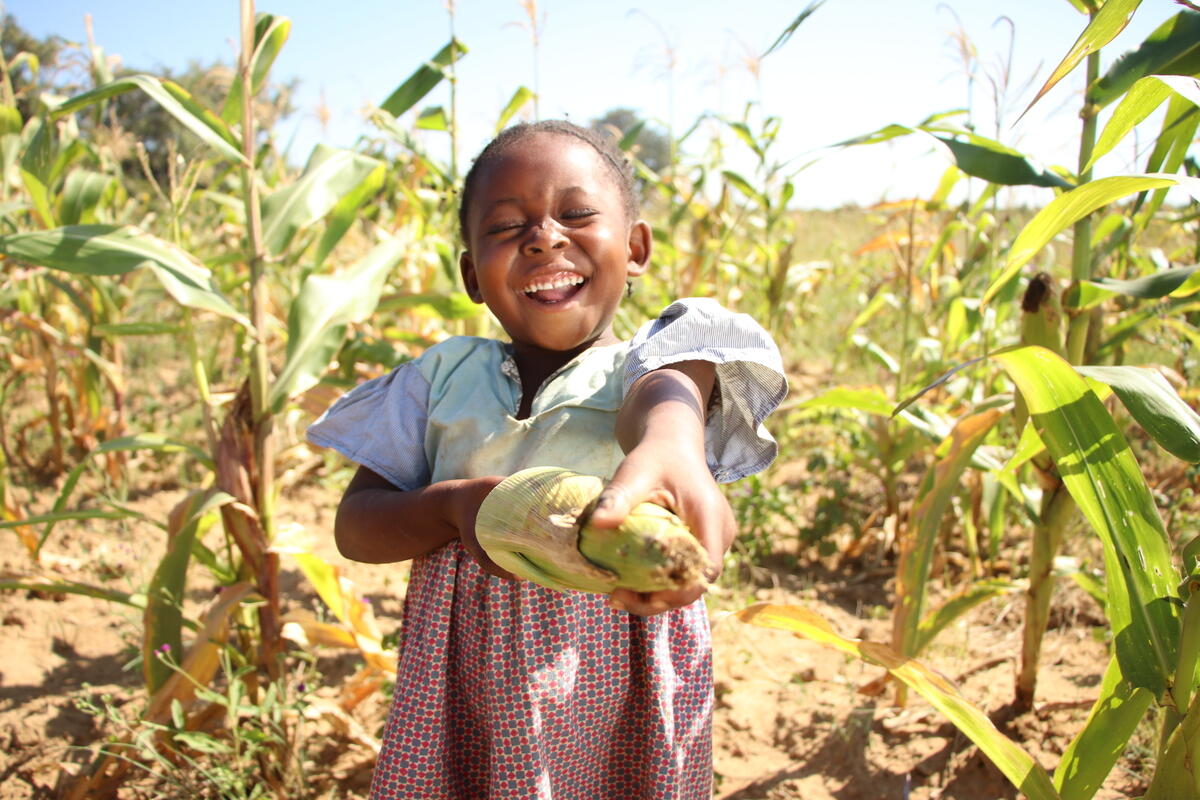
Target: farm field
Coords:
[[972, 572], [789, 722]]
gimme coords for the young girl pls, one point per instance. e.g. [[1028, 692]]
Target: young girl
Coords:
[[505, 689]]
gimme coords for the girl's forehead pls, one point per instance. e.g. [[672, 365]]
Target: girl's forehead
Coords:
[[549, 156]]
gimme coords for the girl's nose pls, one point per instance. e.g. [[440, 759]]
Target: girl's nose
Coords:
[[546, 235]]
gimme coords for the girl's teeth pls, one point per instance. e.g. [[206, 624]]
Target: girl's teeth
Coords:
[[557, 284]]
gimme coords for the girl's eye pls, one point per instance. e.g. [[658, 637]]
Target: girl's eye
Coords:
[[503, 225], [578, 213]]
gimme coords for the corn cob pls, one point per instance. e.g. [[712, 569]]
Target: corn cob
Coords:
[[534, 524]]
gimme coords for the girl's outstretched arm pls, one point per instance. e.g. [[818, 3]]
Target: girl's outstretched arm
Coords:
[[378, 523], [661, 429]]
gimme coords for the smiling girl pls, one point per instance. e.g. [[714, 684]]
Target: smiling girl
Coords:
[[506, 689]]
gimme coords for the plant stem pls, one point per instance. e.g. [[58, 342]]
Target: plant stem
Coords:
[[1047, 535], [1081, 253], [259, 368]]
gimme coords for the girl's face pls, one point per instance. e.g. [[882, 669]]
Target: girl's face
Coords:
[[549, 244]]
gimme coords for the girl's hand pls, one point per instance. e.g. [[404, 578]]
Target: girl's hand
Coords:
[[464, 501], [656, 472]]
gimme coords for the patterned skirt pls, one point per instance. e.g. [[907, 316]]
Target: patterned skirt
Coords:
[[510, 691]]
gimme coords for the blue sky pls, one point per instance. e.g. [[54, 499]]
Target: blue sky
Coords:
[[852, 67]]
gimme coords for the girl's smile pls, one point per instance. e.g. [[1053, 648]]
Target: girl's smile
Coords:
[[550, 246]]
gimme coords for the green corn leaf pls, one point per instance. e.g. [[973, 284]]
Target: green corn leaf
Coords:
[[421, 82], [782, 39], [960, 603], [115, 250], [142, 441], [64, 516], [446, 305], [871, 400], [631, 136], [1138, 103], [1172, 48], [37, 161], [319, 315], [1110, 725], [1171, 148], [1168, 282], [329, 175], [1102, 475], [1110, 20], [977, 156], [176, 101], [136, 329], [10, 120], [515, 103], [433, 119], [744, 186], [1177, 775], [984, 158], [1070, 207], [1017, 765], [133, 600], [162, 619], [1156, 406], [940, 485], [270, 34], [876, 351], [345, 212], [81, 193]]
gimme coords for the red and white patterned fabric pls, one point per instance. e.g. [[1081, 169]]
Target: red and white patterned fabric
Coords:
[[543, 694]]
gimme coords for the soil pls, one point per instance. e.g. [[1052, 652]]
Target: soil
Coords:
[[791, 718]]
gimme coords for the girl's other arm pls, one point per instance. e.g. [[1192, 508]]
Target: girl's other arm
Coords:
[[379, 523], [661, 429]]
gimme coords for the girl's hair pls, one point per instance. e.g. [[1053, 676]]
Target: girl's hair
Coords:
[[603, 144]]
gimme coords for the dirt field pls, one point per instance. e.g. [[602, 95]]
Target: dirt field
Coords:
[[790, 721]]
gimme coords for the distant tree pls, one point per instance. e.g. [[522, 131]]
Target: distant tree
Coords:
[[651, 146], [129, 118]]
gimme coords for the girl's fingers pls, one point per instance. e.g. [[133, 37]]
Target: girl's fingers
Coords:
[[649, 604]]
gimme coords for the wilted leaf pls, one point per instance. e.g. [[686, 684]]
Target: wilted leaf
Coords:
[[1017, 765]]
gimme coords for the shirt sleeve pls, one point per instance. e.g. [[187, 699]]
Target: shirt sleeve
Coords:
[[750, 381], [381, 425]]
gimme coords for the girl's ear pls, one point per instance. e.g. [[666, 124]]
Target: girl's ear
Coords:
[[641, 241], [466, 266]]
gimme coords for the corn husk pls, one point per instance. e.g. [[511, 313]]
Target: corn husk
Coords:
[[534, 524]]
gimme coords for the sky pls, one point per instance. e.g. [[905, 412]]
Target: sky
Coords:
[[852, 67]]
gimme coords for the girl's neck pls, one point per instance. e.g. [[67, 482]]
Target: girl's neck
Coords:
[[535, 365]]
